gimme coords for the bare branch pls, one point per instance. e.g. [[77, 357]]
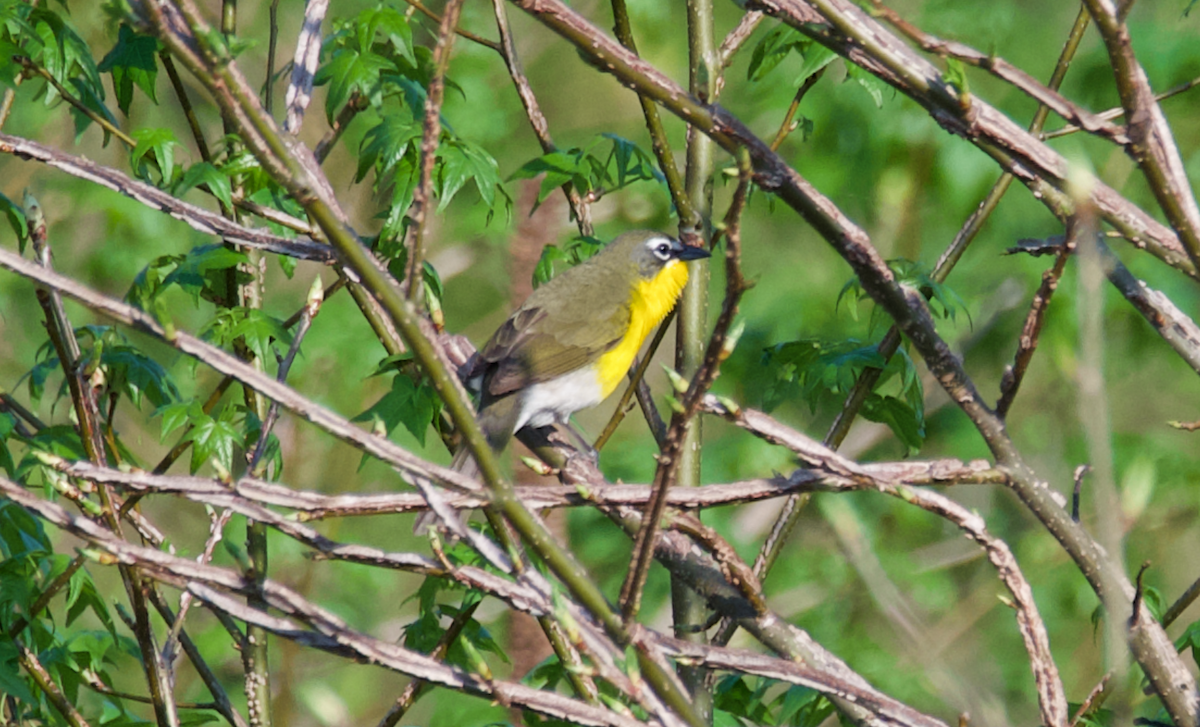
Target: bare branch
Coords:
[[196, 218], [304, 65], [1151, 145]]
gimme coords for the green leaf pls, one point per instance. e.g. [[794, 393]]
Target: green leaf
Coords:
[[39, 374], [348, 71], [956, 75], [65, 55], [462, 161], [16, 219], [196, 273], [1190, 639], [162, 143], [212, 439], [205, 173], [869, 83], [901, 418], [7, 423], [734, 695], [559, 168], [816, 57], [257, 330], [132, 61], [804, 707], [10, 70], [812, 368], [93, 100], [176, 414], [408, 403], [137, 375], [389, 23], [405, 178], [772, 49], [633, 163], [12, 679], [61, 440], [573, 253], [385, 144]]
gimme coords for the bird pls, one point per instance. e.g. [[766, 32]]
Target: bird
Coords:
[[573, 340]]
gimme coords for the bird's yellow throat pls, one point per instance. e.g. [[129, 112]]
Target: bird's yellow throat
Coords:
[[649, 303]]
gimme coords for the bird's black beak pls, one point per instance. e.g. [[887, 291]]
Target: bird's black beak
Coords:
[[693, 253]]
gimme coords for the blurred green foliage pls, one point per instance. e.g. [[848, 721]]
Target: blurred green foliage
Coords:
[[892, 590]]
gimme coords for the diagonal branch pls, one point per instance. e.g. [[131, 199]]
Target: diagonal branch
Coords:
[[198, 219], [1151, 145], [1168, 675]]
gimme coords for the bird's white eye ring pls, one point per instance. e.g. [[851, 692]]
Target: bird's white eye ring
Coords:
[[663, 250]]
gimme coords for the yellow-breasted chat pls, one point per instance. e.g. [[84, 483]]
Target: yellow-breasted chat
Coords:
[[574, 339]]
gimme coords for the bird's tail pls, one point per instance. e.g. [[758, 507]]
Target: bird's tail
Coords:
[[497, 421]]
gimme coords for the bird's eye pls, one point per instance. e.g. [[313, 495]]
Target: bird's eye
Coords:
[[663, 251]]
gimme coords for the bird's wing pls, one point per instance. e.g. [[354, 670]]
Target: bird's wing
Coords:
[[537, 345]]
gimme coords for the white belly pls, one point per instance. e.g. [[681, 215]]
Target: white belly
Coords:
[[553, 401]]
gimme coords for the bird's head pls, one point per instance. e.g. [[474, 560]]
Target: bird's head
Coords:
[[651, 251]]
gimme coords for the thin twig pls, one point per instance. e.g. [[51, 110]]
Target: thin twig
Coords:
[[431, 136], [185, 103], [1118, 112], [312, 306], [310, 506], [198, 219], [715, 353], [1010, 382], [1047, 96], [416, 4], [688, 216], [580, 209]]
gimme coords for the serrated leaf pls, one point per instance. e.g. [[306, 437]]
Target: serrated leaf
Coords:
[[132, 61], [389, 23], [901, 418], [12, 679], [633, 163], [462, 161], [177, 414], [1190, 639], [10, 70], [772, 49], [206, 174], [405, 178], [868, 82], [137, 375], [193, 271], [408, 403], [816, 57], [385, 144], [211, 439], [94, 100], [348, 71], [257, 330], [544, 270], [162, 143]]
